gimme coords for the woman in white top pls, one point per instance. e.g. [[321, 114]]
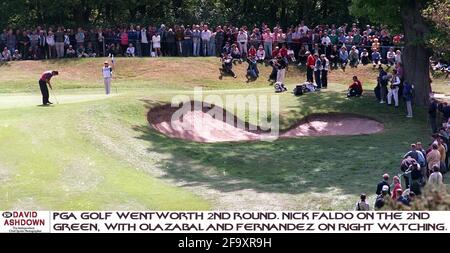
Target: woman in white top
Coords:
[[156, 40]]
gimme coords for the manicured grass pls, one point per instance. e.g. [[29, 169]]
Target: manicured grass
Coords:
[[92, 152]]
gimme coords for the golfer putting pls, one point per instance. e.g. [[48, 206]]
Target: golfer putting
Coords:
[[43, 81]]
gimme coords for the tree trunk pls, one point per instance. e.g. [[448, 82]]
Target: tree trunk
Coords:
[[415, 55]]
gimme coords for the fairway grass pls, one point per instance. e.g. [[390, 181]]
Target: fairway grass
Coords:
[[94, 152]]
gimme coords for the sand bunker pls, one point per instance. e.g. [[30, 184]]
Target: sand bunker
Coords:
[[200, 126]]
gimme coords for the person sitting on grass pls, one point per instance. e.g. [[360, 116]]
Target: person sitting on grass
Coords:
[[355, 89], [16, 56], [130, 51], [362, 205], [343, 57], [70, 52], [365, 57], [353, 57], [376, 58], [90, 50], [227, 66], [260, 54], [252, 70], [81, 53], [6, 55]]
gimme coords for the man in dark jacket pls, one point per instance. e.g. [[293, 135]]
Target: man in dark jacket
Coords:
[[383, 183], [432, 114]]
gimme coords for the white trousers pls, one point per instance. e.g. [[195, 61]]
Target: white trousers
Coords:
[[392, 92], [280, 75], [409, 108], [107, 85]]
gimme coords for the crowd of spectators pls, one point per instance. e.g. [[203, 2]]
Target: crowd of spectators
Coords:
[[421, 166], [198, 40]]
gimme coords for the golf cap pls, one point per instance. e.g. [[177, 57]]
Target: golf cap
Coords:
[[386, 176], [385, 188], [106, 62], [307, 52]]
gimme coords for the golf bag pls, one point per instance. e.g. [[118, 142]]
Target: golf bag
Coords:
[[298, 90]]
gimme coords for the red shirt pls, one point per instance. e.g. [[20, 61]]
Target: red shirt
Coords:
[[394, 191], [283, 52], [275, 53], [357, 85], [311, 62], [46, 76], [252, 52]]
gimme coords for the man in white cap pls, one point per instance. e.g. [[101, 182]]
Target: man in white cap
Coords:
[[107, 77]]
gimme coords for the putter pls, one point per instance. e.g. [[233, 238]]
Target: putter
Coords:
[[53, 93]]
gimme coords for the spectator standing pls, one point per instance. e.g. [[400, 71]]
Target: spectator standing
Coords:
[[145, 47], [318, 70], [50, 39], [393, 89], [196, 40], [268, 42], [435, 179], [59, 42], [156, 42], [11, 41], [310, 64], [242, 40], [408, 96], [206, 37], [325, 69], [80, 37]]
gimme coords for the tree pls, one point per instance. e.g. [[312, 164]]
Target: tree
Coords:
[[406, 15]]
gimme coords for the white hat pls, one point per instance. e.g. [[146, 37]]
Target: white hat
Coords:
[[385, 188]]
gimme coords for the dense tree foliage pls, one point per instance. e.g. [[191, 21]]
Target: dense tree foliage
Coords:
[[113, 12], [408, 16]]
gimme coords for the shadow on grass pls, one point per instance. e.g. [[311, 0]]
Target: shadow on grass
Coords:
[[299, 165]]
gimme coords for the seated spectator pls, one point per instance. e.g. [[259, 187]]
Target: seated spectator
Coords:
[[235, 53], [343, 57], [291, 55], [252, 51], [252, 70], [355, 89], [16, 56], [353, 57], [227, 66], [260, 54], [362, 205], [81, 53], [70, 52], [376, 58], [130, 50], [365, 57], [90, 50], [6, 55]]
